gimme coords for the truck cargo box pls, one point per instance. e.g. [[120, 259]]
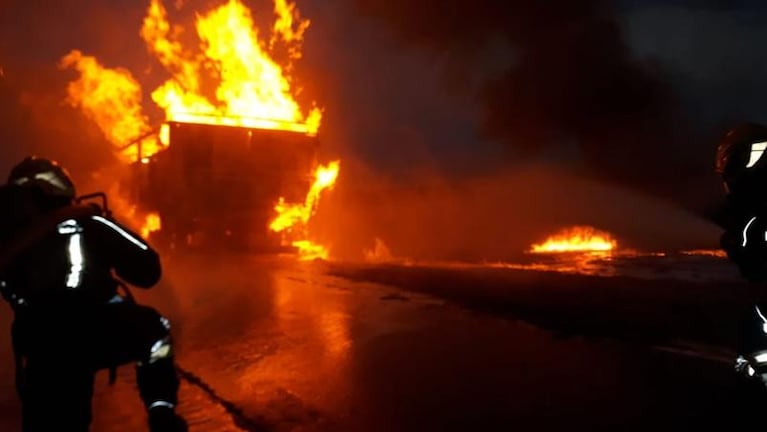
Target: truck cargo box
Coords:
[[216, 186]]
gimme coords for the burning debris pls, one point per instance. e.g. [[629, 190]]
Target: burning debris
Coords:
[[250, 89], [577, 239]]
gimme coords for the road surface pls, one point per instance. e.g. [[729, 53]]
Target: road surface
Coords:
[[274, 345]]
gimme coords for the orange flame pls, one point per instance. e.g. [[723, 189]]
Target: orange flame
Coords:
[[295, 217], [153, 223], [577, 239], [251, 89], [112, 99], [229, 78], [292, 215], [716, 253], [308, 251], [290, 28]]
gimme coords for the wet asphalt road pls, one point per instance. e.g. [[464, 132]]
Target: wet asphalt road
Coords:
[[286, 347]]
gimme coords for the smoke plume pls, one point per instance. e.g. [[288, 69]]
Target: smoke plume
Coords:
[[568, 78]]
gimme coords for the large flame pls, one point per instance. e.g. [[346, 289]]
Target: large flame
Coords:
[[111, 98], [229, 77], [577, 239], [251, 89]]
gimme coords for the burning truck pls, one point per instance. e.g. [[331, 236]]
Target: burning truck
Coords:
[[216, 185], [235, 161]]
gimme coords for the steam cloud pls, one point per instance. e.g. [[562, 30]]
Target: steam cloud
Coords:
[[496, 218]]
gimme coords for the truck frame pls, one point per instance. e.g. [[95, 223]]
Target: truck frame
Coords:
[[217, 186]]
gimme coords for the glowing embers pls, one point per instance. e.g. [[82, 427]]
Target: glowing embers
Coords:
[[577, 239]]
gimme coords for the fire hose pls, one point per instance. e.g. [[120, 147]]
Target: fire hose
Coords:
[[236, 413]]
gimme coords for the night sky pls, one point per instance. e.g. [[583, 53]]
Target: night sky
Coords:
[[477, 95]]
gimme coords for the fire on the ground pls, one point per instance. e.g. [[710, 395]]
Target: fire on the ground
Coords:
[[577, 239]]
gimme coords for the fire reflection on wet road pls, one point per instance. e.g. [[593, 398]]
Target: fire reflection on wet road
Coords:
[[294, 349]]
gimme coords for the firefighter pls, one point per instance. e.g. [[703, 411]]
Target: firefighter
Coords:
[[61, 266], [741, 160]]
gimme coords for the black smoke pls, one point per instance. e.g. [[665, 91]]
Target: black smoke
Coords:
[[569, 80]]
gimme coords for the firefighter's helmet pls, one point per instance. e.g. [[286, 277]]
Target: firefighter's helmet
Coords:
[[741, 160], [45, 174]]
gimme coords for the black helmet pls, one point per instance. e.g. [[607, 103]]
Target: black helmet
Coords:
[[47, 175], [741, 160]]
